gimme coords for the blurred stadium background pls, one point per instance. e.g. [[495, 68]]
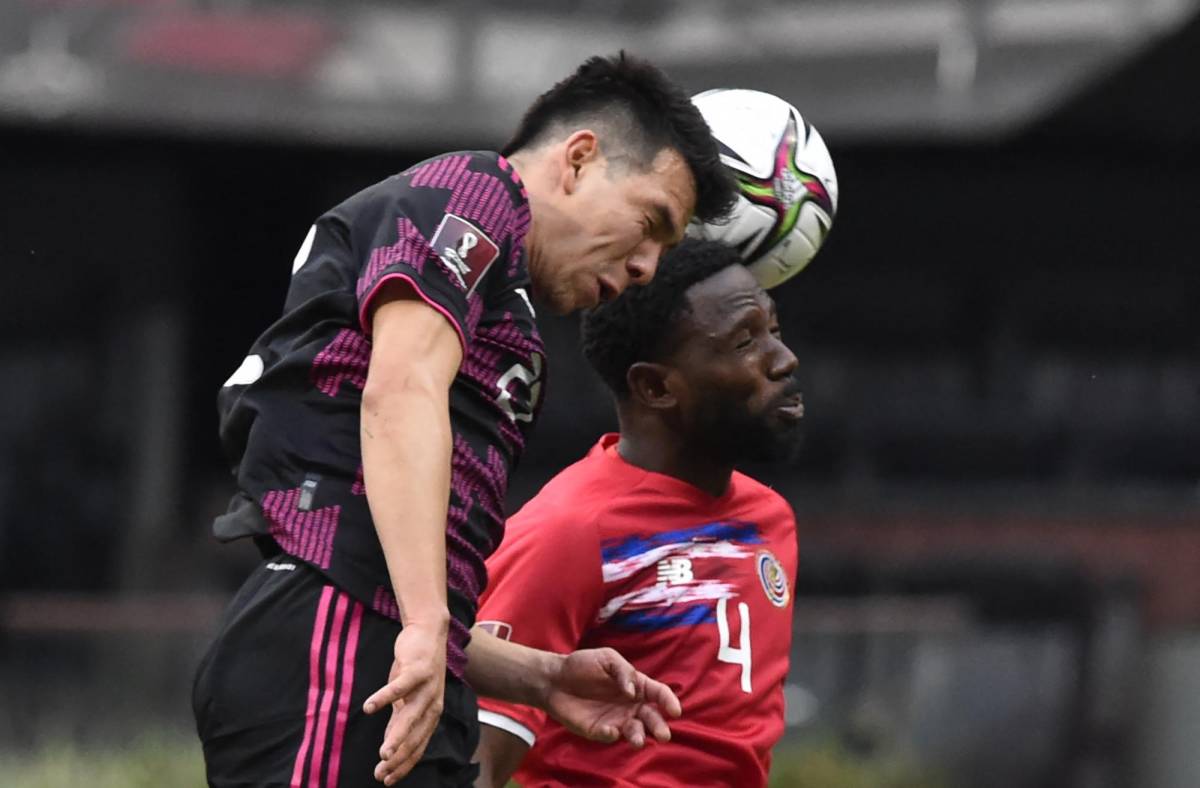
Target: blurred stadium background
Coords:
[[999, 496]]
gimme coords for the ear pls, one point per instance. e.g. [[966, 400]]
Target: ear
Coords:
[[653, 386], [580, 149]]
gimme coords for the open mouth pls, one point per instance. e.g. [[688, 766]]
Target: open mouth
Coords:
[[792, 408], [606, 291]]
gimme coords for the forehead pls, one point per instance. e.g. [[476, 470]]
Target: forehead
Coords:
[[718, 302]]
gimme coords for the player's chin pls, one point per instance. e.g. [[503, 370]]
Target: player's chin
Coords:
[[784, 440], [586, 296], [561, 303]]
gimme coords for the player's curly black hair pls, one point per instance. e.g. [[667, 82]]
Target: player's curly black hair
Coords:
[[638, 324], [632, 102]]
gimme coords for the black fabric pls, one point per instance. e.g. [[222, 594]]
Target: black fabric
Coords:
[[252, 690]]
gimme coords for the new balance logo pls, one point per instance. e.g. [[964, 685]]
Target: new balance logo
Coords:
[[675, 571]]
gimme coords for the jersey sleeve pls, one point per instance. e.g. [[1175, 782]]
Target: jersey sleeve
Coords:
[[443, 227], [545, 589]]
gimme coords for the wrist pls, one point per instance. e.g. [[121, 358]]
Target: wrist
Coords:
[[544, 677], [431, 619]]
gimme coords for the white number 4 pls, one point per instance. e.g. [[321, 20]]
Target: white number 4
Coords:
[[740, 655]]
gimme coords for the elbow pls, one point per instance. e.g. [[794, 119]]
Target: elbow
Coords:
[[382, 393], [402, 408]]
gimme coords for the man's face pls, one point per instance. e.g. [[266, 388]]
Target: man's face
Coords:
[[612, 222], [740, 399]]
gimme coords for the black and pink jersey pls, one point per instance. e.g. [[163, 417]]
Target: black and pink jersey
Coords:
[[453, 227]]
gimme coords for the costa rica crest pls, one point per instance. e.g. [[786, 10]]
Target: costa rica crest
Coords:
[[774, 578]]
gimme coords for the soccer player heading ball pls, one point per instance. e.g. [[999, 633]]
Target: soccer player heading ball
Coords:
[[654, 545], [373, 426]]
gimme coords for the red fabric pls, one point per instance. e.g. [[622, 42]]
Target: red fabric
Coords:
[[608, 554]]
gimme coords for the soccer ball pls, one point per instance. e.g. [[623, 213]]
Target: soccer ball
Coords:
[[788, 188]]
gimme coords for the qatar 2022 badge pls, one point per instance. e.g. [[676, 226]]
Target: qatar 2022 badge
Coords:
[[774, 579]]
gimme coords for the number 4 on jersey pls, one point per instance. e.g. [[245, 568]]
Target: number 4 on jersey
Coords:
[[726, 653]]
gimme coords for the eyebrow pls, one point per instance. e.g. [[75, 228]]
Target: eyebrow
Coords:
[[667, 222], [741, 312]]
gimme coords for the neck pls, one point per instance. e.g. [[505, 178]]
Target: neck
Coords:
[[651, 446]]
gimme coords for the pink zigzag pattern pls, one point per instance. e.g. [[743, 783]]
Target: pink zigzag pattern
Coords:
[[410, 248], [480, 197], [483, 364], [306, 535], [480, 484], [456, 648], [506, 165], [385, 603], [519, 228], [521, 221], [474, 315], [343, 359]]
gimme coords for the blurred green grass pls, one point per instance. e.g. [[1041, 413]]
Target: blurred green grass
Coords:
[[152, 761], [155, 761], [830, 765]]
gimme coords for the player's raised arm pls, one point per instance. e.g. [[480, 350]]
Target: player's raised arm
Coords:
[[406, 445]]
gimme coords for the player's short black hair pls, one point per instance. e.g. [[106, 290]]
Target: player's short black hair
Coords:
[[639, 325], [631, 100]]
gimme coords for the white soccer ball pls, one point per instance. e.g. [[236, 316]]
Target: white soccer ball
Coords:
[[789, 190]]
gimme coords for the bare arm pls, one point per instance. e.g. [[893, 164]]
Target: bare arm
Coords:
[[499, 755], [508, 671], [406, 449], [595, 693]]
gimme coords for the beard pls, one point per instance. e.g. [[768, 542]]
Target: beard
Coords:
[[731, 431]]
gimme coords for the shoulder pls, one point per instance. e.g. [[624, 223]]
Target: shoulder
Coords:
[[554, 537], [482, 176], [458, 167], [573, 502], [450, 181], [763, 499], [575, 493]]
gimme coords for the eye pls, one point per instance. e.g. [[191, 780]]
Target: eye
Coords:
[[776, 331], [744, 340]]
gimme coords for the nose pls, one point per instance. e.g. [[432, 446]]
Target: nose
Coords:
[[643, 262], [783, 360]]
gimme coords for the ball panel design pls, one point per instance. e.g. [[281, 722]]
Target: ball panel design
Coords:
[[789, 189]]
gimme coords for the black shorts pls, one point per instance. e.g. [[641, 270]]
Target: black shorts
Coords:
[[278, 697]]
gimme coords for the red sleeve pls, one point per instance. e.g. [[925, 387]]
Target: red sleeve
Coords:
[[544, 590]]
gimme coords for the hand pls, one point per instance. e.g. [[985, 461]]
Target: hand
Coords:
[[597, 694], [415, 693]]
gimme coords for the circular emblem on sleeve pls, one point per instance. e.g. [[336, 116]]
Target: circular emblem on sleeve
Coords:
[[774, 579]]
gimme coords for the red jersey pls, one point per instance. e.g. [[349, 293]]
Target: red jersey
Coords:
[[695, 591]]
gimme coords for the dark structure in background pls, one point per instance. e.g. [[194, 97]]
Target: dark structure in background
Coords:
[[1012, 314]]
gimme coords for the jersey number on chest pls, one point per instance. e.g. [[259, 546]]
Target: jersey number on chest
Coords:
[[726, 652]]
